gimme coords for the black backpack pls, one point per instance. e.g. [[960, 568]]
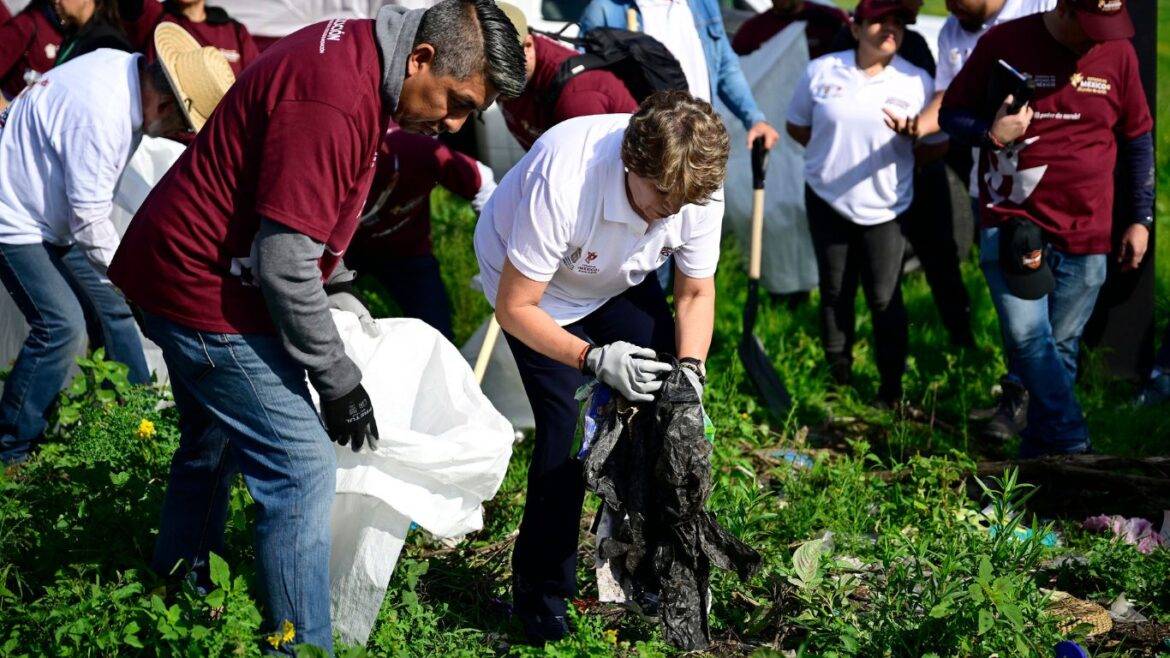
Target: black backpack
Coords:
[[639, 60]]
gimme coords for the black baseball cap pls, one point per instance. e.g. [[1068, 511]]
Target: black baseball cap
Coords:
[[1023, 259]]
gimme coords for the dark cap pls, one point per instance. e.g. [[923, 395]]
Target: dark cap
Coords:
[[876, 10], [1023, 260], [1103, 20]]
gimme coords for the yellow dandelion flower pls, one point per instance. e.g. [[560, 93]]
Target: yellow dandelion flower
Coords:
[[145, 429], [285, 634]]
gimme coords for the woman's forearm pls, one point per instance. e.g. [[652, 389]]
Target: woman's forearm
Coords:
[[695, 322], [535, 328]]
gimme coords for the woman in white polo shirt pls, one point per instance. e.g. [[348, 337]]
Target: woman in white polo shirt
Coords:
[[565, 245], [854, 111]]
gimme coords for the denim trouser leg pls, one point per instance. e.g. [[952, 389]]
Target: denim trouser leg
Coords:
[[1056, 423], [245, 404], [99, 299], [56, 333], [1078, 280]]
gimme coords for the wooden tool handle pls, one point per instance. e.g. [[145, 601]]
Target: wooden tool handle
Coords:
[[631, 19], [757, 234], [485, 350]]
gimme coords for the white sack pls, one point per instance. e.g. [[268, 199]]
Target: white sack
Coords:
[[148, 164], [443, 451], [501, 381], [789, 263]]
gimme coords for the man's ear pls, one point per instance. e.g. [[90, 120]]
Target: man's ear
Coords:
[[421, 58]]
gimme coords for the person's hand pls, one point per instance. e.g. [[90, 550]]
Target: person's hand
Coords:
[[345, 301], [765, 130], [350, 420], [907, 126], [1007, 128], [630, 370], [1133, 247]]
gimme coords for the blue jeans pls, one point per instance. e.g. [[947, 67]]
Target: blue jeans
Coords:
[[59, 293], [244, 407], [1041, 340]]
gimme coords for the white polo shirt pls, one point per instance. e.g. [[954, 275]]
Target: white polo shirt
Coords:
[[956, 44], [63, 144], [561, 215], [673, 23], [854, 161]]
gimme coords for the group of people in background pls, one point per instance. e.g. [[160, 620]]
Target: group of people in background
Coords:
[[317, 164]]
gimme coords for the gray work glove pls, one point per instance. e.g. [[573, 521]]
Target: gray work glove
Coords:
[[342, 298], [628, 369]]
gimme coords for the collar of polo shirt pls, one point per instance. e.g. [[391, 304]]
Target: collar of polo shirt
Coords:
[[615, 201]]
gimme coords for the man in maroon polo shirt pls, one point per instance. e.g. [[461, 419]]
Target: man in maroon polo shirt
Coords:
[[229, 256], [589, 93], [1046, 190], [211, 26], [393, 242], [823, 23], [28, 46]]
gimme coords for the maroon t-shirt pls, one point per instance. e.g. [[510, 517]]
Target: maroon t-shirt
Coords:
[[28, 41], [592, 92], [409, 167], [4, 13], [221, 31], [295, 140], [824, 23], [1060, 173]]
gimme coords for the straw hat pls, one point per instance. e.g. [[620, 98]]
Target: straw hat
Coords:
[[517, 17], [199, 75]]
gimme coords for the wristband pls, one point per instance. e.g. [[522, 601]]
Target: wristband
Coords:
[[993, 142], [581, 359], [696, 365], [1146, 221]]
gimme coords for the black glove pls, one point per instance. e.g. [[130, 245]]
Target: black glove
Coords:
[[350, 420]]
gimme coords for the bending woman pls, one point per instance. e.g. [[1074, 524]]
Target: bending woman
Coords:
[[565, 245]]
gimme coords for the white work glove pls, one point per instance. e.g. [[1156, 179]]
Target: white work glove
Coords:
[[344, 301], [628, 369]]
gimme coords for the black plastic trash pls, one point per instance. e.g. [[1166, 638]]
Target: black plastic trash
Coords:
[[651, 465]]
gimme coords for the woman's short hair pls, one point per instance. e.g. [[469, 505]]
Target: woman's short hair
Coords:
[[677, 141]]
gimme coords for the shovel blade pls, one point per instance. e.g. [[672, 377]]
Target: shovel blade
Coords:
[[764, 377]]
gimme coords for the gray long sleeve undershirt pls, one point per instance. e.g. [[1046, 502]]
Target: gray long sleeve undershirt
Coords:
[[288, 269]]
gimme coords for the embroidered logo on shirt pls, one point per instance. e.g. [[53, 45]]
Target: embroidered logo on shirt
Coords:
[[1087, 84], [828, 90], [230, 55], [51, 50], [572, 258], [592, 256]]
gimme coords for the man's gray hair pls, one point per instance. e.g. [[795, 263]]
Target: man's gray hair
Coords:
[[474, 37]]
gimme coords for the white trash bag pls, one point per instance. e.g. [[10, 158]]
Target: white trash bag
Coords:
[[443, 450]]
